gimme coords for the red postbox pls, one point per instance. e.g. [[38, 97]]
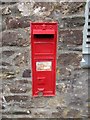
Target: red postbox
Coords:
[[43, 58]]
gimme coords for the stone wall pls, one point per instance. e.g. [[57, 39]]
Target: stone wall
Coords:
[[72, 81]]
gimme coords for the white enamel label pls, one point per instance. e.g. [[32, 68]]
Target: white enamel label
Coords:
[[44, 66]]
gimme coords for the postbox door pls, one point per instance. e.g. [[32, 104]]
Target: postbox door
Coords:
[[44, 78], [43, 51]]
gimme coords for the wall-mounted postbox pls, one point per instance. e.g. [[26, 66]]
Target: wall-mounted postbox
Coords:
[[43, 58]]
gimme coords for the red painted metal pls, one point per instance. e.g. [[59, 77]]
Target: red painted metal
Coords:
[[43, 54]]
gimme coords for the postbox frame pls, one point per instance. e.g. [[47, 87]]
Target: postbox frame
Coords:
[[49, 59]]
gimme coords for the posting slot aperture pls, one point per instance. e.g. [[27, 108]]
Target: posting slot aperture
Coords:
[[44, 35]]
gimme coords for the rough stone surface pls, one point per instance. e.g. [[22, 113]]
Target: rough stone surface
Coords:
[[73, 59], [73, 22], [71, 100], [27, 73], [14, 38], [22, 22], [71, 37]]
